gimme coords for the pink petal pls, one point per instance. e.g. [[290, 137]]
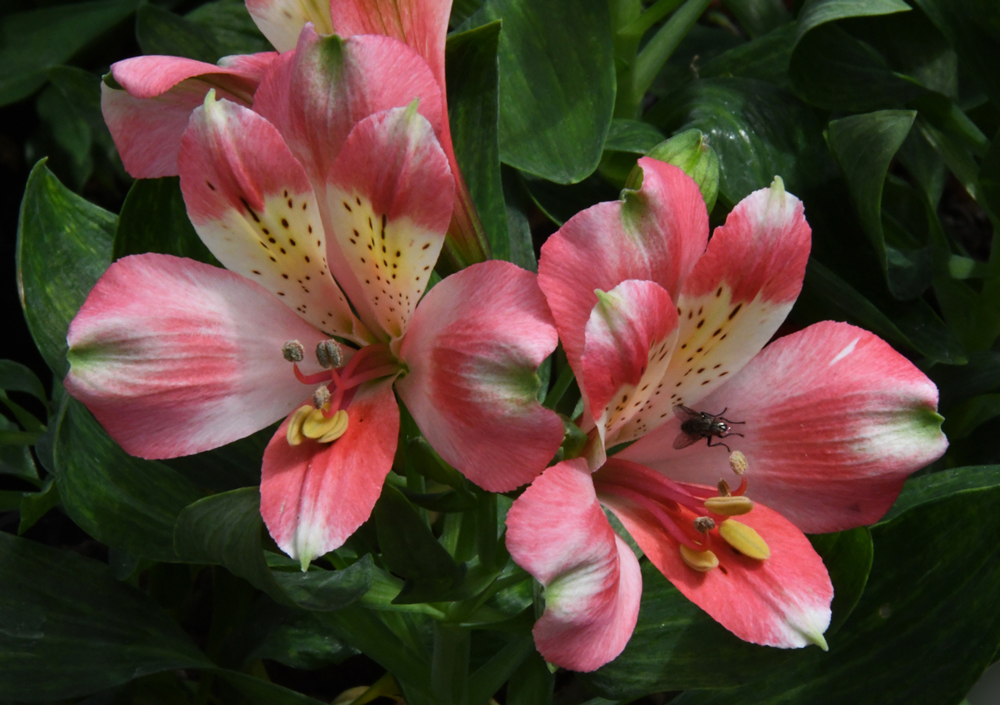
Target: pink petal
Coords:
[[314, 496], [175, 357], [654, 234], [316, 94], [388, 204], [557, 531], [281, 21], [252, 205], [629, 339], [472, 350], [148, 118], [738, 294], [783, 601], [835, 421]]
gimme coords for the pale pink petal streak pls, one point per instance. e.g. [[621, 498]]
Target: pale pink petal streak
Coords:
[[472, 350], [175, 357], [388, 202], [557, 531], [835, 420], [314, 495], [254, 208], [316, 94], [654, 234]]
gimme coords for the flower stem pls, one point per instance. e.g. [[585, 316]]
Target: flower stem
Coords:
[[450, 664]]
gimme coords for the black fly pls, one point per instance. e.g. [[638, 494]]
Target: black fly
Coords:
[[696, 425]]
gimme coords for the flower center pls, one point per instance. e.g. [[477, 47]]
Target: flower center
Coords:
[[695, 517], [326, 419]]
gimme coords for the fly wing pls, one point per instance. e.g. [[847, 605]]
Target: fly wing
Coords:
[[684, 439], [685, 414]]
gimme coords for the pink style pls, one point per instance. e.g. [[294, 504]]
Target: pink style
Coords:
[[831, 418], [328, 204], [148, 110]]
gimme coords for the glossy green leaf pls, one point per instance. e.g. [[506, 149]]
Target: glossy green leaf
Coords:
[[31, 42], [488, 678], [63, 247], [35, 505], [231, 27], [758, 130], [518, 202], [532, 683], [473, 111], [865, 145], [758, 17], [225, 529], [16, 460], [925, 628], [562, 52], [290, 636], [833, 70], [15, 377], [818, 12], [972, 27], [409, 547], [160, 31], [765, 58], [632, 136], [560, 203], [848, 558], [929, 488], [122, 501], [154, 219], [71, 629]]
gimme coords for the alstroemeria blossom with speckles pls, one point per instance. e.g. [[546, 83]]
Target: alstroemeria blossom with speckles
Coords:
[[328, 204], [654, 318]]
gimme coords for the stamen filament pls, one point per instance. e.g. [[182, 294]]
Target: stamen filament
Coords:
[[310, 379], [649, 481], [658, 512]]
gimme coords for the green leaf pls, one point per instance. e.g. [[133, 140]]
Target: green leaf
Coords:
[[848, 557], [154, 219], [765, 58], [229, 467], [473, 112], [972, 27], [560, 51], [35, 505], [122, 501], [160, 31], [15, 377], [833, 70], [36, 40], [758, 17], [409, 547], [632, 136], [758, 130], [63, 247], [290, 636], [817, 12], [928, 488], [71, 629], [956, 384], [865, 145], [488, 678], [225, 529], [231, 27], [925, 628], [16, 460], [532, 683]]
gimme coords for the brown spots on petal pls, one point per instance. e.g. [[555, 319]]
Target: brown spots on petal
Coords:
[[735, 311]]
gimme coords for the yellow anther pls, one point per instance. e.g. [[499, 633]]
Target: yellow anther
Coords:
[[294, 430], [324, 429], [702, 561], [744, 539], [738, 462], [729, 506]]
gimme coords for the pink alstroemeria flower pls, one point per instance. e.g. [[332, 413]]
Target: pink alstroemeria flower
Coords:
[[326, 192], [422, 25], [652, 314]]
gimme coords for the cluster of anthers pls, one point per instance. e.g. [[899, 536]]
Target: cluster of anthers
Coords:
[[326, 419], [695, 517]]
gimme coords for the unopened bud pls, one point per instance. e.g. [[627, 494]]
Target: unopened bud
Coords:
[[293, 351], [320, 397], [328, 353], [703, 524], [724, 490], [738, 462]]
